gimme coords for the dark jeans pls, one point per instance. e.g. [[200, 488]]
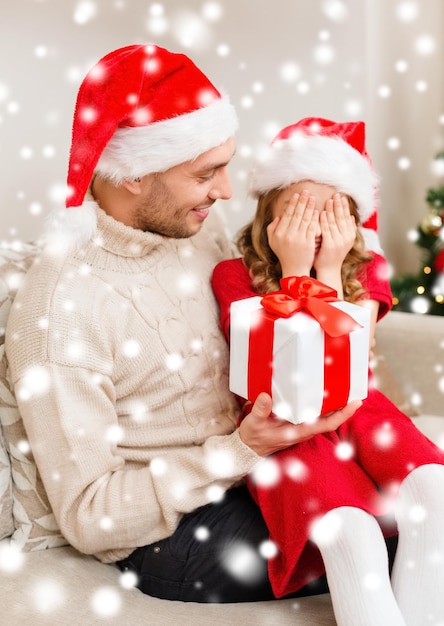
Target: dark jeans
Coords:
[[213, 556], [223, 565]]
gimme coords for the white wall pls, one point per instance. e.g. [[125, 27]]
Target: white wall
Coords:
[[280, 60]]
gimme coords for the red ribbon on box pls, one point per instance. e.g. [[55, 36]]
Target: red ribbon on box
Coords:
[[302, 293]]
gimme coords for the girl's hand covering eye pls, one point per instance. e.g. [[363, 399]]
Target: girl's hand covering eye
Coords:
[[291, 236], [338, 229]]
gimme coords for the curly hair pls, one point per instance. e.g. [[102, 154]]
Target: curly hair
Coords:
[[264, 266]]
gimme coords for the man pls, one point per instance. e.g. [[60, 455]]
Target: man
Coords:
[[119, 366]]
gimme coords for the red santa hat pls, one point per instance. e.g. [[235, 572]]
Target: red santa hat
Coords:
[[140, 109], [143, 109], [332, 153]]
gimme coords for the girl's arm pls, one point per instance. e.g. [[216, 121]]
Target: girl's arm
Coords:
[[373, 306], [375, 279], [231, 281]]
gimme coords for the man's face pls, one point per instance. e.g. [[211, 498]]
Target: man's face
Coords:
[[175, 203]]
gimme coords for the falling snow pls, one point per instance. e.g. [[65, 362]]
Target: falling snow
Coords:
[[243, 563], [321, 71], [106, 602]]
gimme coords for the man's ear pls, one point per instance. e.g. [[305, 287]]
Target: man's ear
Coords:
[[134, 186]]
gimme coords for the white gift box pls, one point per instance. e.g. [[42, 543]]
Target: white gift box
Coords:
[[299, 361]]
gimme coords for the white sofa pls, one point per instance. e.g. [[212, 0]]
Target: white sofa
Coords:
[[44, 582]]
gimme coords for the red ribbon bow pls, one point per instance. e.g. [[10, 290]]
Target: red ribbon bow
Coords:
[[303, 293]]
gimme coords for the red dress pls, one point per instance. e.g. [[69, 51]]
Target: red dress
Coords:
[[314, 476]]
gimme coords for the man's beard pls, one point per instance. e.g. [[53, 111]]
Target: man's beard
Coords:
[[159, 213]]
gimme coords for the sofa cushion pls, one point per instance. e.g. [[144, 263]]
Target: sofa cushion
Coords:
[[6, 522], [387, 384], [35, 527], [15, 259], [34, 521], [62, 586], [432, 426], [413, 347]]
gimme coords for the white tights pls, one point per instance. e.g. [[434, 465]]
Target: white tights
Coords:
[[356, 561]]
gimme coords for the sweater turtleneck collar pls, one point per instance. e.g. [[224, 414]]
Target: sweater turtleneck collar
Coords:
[[72, 230], [116, 237]]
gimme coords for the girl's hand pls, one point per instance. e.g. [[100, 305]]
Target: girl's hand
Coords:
[[292, 235], [338, 229]]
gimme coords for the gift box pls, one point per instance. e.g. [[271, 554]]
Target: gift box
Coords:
[[303, 346]]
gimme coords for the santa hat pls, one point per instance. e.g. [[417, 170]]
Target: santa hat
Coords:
[[140, 109], [323, 151], [143, 109]]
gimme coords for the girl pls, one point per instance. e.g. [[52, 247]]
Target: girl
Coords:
[[328, 511]]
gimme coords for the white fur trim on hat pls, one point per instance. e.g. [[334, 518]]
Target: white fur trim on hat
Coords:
[[327, 160], [133, 152], [371, 240]]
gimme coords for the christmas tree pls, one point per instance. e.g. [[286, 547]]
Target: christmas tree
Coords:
[[424, 292]]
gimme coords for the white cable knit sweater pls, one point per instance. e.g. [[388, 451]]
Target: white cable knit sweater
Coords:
[[121, 377]]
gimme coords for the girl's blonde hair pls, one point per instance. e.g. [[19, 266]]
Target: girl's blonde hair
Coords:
[[263, 264]]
